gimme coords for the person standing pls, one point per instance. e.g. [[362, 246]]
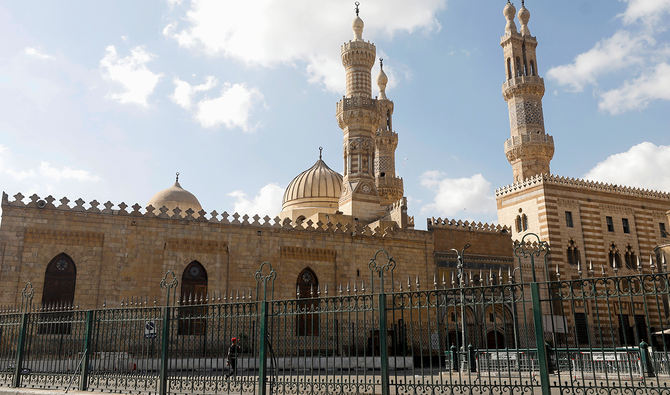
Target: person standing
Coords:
[[231, 358]]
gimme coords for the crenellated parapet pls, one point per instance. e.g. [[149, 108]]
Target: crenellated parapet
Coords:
[[136, 212], [549, 179], [434, 223]]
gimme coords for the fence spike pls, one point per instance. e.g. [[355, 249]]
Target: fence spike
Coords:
[[444, 283], [481, 277], [614, 266], [311, 290], [355, 289], [558, 272], [500, 277], [400, 282], [579, 268], [348, 291], [409, 284], [340, 288], [250, 295], [237, 296], [453, 280], [602, 267], [297, 291], [417, 283], [509, 274], [318, 290], [591, 267], [651, 263], [243, 296], [639, 264], [363, 286]]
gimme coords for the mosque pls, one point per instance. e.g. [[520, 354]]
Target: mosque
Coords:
[[332, 224]]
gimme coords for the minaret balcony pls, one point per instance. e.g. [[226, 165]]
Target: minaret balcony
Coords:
[[356, 102], [389, 182], [524, 79], [528, 139]]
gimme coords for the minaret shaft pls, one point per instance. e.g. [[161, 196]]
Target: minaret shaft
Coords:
[[530, 149]]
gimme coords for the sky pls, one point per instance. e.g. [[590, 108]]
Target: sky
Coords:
[[108, 100]]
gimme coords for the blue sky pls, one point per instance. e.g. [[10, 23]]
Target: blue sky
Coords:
[[107, 100]]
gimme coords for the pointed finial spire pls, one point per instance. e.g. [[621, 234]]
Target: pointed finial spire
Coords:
[[177, 180], [320, 152], [381, 63], [357, 4]]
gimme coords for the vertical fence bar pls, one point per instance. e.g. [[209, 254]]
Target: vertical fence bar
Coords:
[[165, 341], [383, 344], [262, 350], [88, 334], [23, 329], [539, 338]]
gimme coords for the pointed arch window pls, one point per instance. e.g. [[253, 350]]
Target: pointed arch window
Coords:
[[519, 71], [509, 68], [60, 279], [532, 68], [192, 299], [630, 258], [307, 323], [614, 256], [573, 253]]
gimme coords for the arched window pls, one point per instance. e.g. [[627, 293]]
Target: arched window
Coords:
[[518, 67], [388, 120], [524, 222], [573, 253], [630, 258], [509, 68], [614, 256], [532, 67], [193, 293], [519, 225], [60, 280], [307, 323]]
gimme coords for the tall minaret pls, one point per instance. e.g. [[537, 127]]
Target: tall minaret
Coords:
[[389, 186], [358, 116], [530, 149]]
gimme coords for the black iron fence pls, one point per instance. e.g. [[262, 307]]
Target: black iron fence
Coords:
[[454, 338]]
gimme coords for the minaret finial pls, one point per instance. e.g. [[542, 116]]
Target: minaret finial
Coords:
[[177, 177], [357, 4], [522, 5], [320, 151], [381, 63]]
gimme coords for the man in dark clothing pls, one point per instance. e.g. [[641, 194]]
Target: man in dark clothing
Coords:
[[231, 358]]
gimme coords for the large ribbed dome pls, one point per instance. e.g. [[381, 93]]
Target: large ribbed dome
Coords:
[[173, 197], [319, 185]]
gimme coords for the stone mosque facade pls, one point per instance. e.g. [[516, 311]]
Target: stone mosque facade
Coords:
[[332, 224]]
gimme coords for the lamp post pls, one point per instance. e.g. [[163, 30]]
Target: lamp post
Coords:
[[461, 283]]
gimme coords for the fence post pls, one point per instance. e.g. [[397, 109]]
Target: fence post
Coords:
[[646, 360], [471, 358], [454, 358], [162, 384], [539, 338], [23, 329], [262, 349], [83, 380], [383, 344]]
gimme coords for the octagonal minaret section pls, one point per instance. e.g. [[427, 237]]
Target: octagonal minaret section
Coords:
[[389, 187], [358, 116], [530, 149]]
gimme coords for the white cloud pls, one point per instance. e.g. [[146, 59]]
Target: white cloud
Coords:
[[646, 11], [232, 108], [184, 92], [637, 93], [268, 32], [617, 52], [643, 166], [267, 202], [637, 51], [30, 51], [131, 74], [66, 173], [454, 195]]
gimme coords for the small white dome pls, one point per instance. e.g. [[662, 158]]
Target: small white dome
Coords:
[[318, 186], [174, 197]]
